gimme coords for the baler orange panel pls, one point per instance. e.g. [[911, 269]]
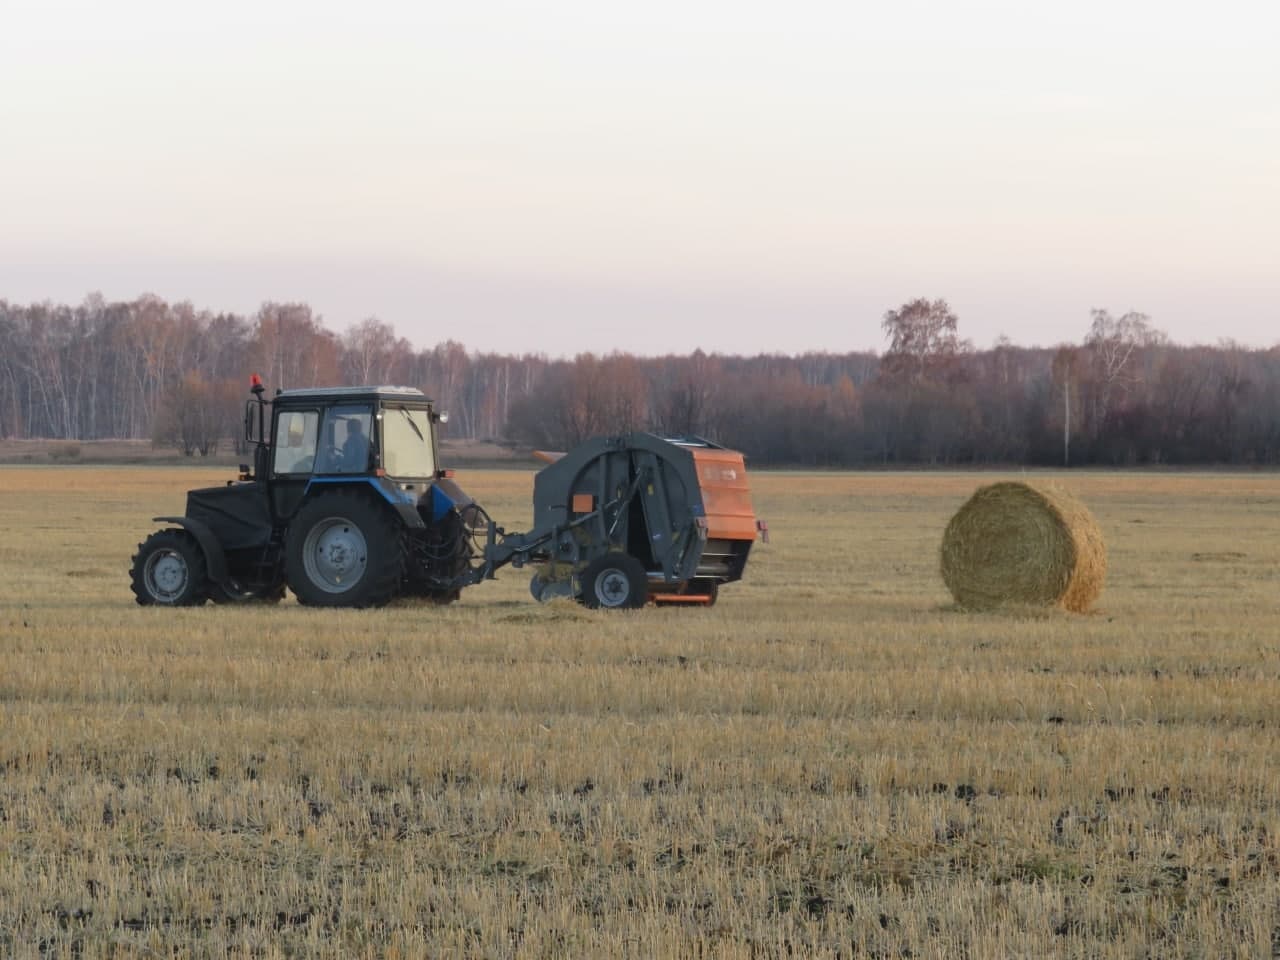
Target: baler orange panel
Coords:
[[722, 477]]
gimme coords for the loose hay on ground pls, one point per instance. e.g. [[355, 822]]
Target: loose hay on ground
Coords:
[[559, 609], [1014, 543]]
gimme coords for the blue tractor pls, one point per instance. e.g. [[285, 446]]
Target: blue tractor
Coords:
[[344, 503]]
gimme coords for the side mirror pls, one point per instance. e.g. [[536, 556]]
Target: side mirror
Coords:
[[254, 421]]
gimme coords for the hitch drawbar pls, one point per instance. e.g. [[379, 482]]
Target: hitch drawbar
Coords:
[[618, 521]]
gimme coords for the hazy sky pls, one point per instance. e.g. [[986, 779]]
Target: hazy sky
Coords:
[[657, 176]]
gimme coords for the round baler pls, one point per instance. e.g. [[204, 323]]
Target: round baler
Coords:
[[618, 521]]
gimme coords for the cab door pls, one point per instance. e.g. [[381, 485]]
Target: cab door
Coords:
[[295, 449]]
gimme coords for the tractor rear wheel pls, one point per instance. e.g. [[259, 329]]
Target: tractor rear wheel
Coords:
[[616, 581], [344, 550], [169, 570]]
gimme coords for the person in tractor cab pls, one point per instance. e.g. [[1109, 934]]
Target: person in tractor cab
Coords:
[[355, 449]]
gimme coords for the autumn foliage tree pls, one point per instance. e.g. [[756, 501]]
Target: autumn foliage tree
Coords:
[[1114, 346], [148, 368], [924, 339], [189, 417], [590, 396]]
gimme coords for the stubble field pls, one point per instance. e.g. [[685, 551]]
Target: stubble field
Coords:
[[832, 762]]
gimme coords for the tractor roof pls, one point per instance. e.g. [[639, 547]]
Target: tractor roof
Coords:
[[330, 394]]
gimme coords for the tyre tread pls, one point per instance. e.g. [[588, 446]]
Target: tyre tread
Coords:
[[384, 539], [197, 569]]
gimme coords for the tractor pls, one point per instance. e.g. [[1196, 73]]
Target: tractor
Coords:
[[346, 505]]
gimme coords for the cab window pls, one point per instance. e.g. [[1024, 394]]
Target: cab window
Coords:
[[344, 446], [296, 441]]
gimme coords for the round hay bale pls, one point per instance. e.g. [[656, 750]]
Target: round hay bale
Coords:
[[1014, 543]]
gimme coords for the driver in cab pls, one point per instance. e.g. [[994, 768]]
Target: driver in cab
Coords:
[[355, 448]]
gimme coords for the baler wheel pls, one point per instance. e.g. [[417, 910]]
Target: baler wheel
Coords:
[[616, 581]]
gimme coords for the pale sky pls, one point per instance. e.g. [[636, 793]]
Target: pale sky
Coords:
[[653, 177]]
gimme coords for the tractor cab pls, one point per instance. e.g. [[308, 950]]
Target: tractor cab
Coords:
[[387, 431], [319, 439]]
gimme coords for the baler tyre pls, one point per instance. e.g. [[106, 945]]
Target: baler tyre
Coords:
[[616, 581], [344, 550], [169, 570]]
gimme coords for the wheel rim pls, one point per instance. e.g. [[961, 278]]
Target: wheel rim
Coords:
[[612, 587], [166, 575], [335, 554]]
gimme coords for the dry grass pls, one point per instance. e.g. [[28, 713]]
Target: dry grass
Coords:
[[833, 761]]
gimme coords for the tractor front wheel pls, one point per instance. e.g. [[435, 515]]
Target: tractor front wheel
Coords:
[[344, 550], [616, 581], [169, 570]]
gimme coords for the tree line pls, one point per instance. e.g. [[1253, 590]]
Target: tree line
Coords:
[[1123, 395]]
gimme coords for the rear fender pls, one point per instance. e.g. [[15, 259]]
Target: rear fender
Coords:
[[445, 496], [215, 560], [403, 502]]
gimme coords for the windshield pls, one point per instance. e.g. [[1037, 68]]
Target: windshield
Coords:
[[406, 443]]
